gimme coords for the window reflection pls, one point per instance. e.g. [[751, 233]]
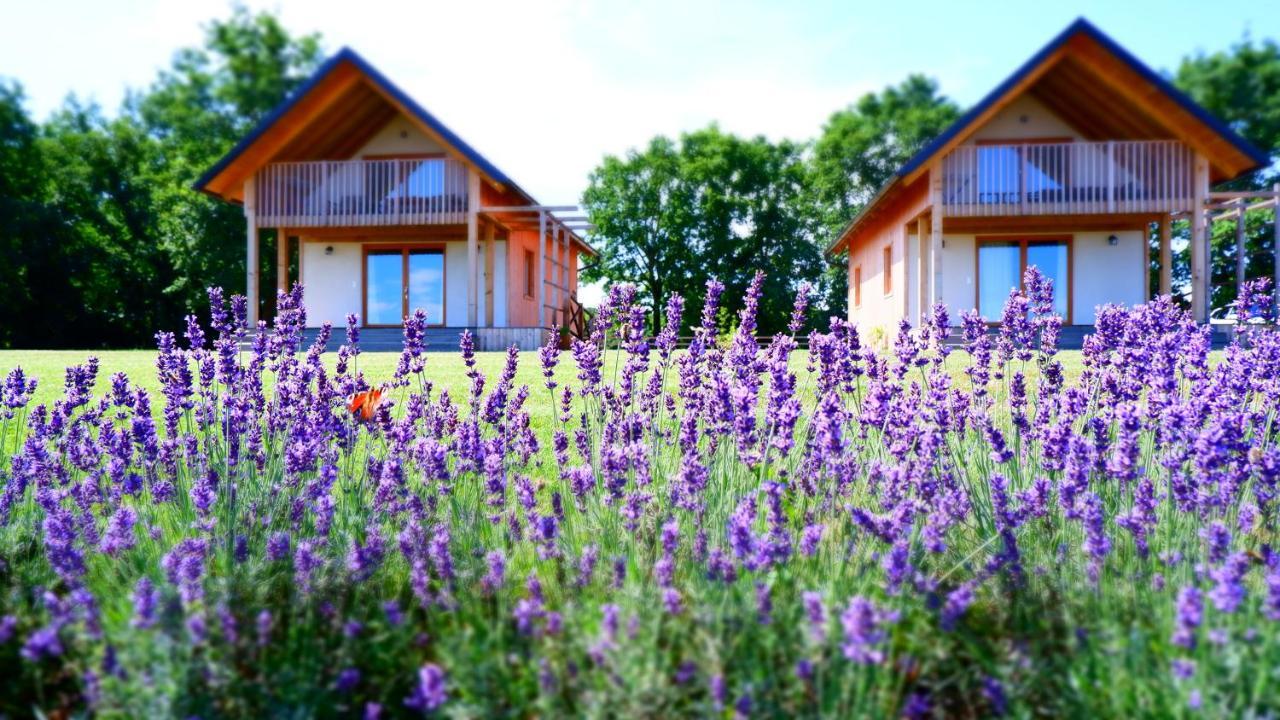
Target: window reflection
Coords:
[[384, 302], [426, 284]]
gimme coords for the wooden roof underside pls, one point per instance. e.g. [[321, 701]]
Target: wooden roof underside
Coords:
[[1105, 99]]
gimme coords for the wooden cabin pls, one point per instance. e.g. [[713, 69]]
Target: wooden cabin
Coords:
[[389, 211], [1067, 165]]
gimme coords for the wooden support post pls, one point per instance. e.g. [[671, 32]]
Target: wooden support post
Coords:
[[935, 236], [1275, 242], [541, 297], [567, 251], [282, 259], [490, 254], [1240, 250], [922, 269], [473, 247], [251, 253], [558, 276], [1166, 254], [1199, 241]]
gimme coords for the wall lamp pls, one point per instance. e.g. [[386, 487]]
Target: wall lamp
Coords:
[[329, 249], [1113, 240]]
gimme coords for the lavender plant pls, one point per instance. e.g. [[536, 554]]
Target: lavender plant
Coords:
[[736, 528]]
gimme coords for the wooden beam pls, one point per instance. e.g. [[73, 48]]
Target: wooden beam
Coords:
[[1251, 195], [542, 269], [473, 249], [490, 253], [1166, 255], [251, 252], [282, 259], [529, 208], [1199, 240], [935, 234], [1050, 223], [922, 268]]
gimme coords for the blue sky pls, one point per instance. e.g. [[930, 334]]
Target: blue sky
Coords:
[[545, 88]]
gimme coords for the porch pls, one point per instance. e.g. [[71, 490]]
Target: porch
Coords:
[[382, 237], [1084, 210]]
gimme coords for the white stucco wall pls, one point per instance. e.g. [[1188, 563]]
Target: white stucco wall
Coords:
[[1101, 273], [333, 282], [1024, 118], [1108, 274], [399, 137], [958, 291]]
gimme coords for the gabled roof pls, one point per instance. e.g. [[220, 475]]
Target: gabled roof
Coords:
[[326, 74], [1072, 63]]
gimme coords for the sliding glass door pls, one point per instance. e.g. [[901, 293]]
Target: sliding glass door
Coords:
[[401, 280], [1002, 262]]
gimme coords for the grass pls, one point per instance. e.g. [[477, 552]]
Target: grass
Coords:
[[444, 369]]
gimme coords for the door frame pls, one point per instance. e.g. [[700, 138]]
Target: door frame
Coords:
[[1023, 239], [404, 248]]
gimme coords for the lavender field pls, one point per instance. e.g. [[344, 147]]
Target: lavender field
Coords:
[[739, 529]]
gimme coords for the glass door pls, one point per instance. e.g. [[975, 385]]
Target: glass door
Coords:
[[399, 281], [1002, 262], [426, 284]]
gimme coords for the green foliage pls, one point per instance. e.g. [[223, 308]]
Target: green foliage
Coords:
[[1241, 86], [710, 205], [104, 237], [676, 213]]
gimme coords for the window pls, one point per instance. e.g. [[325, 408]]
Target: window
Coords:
[[401, 280], [1002, 262], [529, 264], [857, 286], [888, 269]]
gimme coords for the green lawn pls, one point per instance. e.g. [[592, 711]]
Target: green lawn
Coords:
[[443, 368]]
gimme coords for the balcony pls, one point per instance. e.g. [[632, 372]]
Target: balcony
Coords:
[[344, 193], [1068, 178]]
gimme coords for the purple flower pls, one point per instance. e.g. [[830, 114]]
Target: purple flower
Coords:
[[1189, 613], [430, 692], [119, 535], [957, 603], [864, 630], [278, 546], [41, 644], [146, 598]]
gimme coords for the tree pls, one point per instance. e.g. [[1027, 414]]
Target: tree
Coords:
[[1241, 86], [708, 205], [194, 113], [105, 237]]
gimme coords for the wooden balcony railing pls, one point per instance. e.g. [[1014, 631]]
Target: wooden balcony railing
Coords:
[[1068, 178], [422, 191]]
